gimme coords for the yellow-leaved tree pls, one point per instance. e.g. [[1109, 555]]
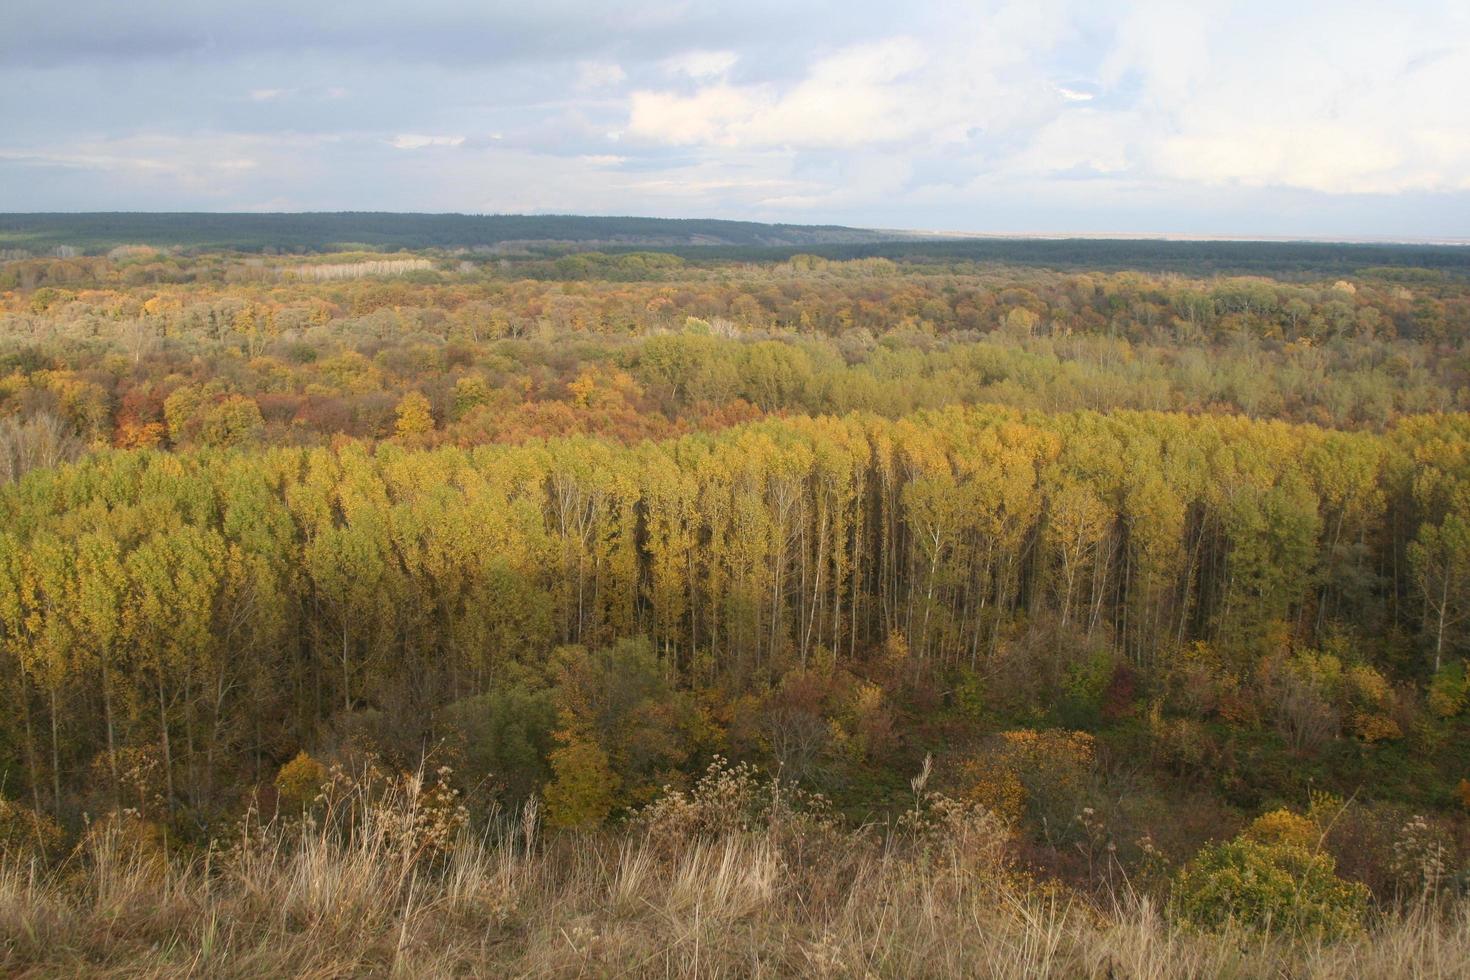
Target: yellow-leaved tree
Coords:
[[414, 415]]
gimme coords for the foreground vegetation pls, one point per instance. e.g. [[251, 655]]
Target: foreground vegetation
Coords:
[[734, 879], [373, 612]]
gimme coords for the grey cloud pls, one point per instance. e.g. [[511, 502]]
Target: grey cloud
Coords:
[[441, 31]]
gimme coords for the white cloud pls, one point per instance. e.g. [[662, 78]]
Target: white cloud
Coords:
[[1337, 100], [1354, 100], [599, 74], [1078, 142], [683, 186], [856, 96], [418, 141], [701, 64], [859, 95], [269, 94], [705, 117]]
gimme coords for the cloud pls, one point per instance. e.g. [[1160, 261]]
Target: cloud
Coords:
[[851, 97], [1078, 143], [684, 187], [705, 117], [158, 167], [993, 112], [701, 64], [1318, 103], [1351, 100], [418, 141], [438, 32], [858, 95], [599, 74], [198, 159]]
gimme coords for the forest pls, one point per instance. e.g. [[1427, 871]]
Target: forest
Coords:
[[74, 234], [326, 231], [1108, 601]]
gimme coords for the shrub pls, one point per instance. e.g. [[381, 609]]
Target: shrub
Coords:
[[1449, 689], [1371, 700], [1283, 887], [431, 822], [24, 830], [1084, 684], [1182, 745], [961, 838], [581, 795], [1040, 774], [301, 780], [1422, 857], [737, 799], [1362, 839], [506, 735], [1302, 693], [1283, 828]]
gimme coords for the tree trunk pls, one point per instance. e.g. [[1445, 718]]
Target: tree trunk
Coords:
[[55, 756], [111, 732], [168, 759]]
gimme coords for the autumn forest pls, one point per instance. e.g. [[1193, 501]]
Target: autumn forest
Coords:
[[1145, 577]]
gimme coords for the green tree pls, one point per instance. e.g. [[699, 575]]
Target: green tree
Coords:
[[1440, 560]]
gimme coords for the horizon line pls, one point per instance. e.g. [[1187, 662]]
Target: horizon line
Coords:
[[918, 233]]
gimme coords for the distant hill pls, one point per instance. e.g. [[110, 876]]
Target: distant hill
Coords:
[[324, 231], [539, 237]]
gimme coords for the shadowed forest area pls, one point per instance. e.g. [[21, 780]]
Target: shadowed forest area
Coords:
[[874, 609]]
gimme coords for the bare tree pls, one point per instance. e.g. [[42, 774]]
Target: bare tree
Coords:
[[40, 441]]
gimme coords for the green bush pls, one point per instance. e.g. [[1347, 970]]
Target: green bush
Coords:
[[506, 735], [1283, 887]]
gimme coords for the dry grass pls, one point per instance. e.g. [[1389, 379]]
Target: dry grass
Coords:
[[365, 896]]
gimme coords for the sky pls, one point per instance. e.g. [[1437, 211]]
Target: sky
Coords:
[[1196, 117]]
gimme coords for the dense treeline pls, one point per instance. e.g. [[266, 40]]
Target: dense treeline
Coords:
[[1287, 259], [321, 231], [695, 239], [218, 610]]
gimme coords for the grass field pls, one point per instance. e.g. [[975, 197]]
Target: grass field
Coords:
[[397, 885]]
